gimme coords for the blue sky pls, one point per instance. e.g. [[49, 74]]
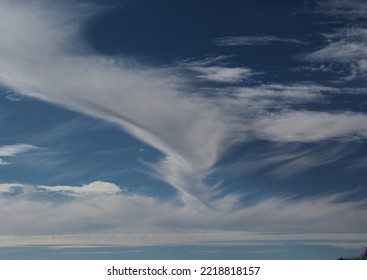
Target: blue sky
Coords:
[[203, 126]]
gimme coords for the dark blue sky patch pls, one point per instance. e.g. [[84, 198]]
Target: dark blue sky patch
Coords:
[[162, 31]]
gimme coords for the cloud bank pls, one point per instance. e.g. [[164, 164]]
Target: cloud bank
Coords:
[[35, 210]]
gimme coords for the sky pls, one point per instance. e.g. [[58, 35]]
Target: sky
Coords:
[[183, 129]]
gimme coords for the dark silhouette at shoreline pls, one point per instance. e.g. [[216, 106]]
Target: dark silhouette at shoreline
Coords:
[[361, 257]]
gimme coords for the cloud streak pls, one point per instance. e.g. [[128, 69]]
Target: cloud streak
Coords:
[[273, 96], [255, 40], [214, 69], [307, 126], [345, 46], [3, 162], [289, 159], [346, 8], [13, 150], [223, 74]]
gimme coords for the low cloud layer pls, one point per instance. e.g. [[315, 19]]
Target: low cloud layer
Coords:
[[345, 241], [75, 209]]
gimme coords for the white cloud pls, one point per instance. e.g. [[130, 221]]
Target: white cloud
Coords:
[[307, 126], [343, 52], [345, 46], [3, 162], [6, 188], [208, 61], [13, 150], [319, 68], [255, 40], [223, 74], [271, 112], [254, 104], [93, 188], [214, 69], [346, 8], [271, 96]]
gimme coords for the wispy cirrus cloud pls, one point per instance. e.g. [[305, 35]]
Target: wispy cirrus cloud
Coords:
[[223, 74], [255, 40], [281, 160], [263, 97], [67, 74], [345, 8], [345, 46], [308, 126], [13, 150], [3, 162], [215, 69], [272, 113]]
